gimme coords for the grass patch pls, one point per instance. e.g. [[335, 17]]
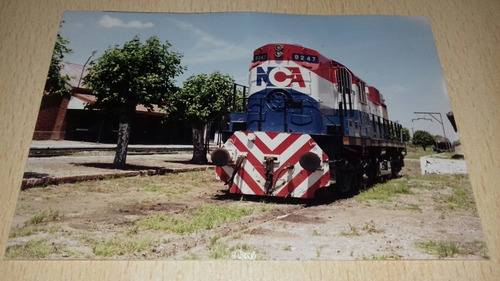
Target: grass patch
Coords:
[[417, 152], [44, 217], [455, 191], [192, 257], [385, 191], [33, 249], [461, 198], [413, 207], [244, 252], [391, 256], [173, 186], [221, 251], [439, 249], [28, 231], [150, 187], [204, 217], [117, 246]]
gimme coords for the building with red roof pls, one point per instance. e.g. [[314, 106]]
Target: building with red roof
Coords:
[[66, 117]]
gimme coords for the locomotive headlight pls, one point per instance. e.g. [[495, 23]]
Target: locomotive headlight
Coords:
[[310, 161], [220, 157], [279, 51]]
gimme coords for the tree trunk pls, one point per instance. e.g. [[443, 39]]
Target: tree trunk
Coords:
[[123, 139], [199, 149]]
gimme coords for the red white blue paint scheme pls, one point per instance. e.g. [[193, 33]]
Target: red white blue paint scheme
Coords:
[[308, 123]]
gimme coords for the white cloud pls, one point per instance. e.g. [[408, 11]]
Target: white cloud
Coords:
[[393, 90], [210, 49], [110, 22]]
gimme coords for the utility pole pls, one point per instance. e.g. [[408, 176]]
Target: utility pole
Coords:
[[433, 115], [83, 69]]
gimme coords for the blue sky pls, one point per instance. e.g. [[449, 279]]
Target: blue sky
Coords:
[[395, 54]]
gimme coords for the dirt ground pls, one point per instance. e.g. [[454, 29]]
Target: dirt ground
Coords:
[[87, 220]]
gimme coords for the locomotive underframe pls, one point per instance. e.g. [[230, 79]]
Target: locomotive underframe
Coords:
[[355, 163]]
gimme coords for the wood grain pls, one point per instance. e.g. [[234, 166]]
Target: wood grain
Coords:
[[467, 38]]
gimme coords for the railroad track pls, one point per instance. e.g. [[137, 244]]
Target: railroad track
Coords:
[[245, 225]]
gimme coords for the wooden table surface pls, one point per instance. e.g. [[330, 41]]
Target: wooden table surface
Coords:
[[467, 37]]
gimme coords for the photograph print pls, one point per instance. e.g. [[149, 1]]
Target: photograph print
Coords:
[[245, 136]]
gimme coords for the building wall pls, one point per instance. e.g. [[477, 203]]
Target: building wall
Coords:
[[51, 118], [58, 122]]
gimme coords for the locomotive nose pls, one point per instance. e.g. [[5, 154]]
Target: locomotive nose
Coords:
[[220, 157]]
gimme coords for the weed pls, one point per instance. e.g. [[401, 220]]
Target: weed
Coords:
[[460, 199], [391, 256], [353, 231], [45, 216], [150, 187], [265, 207], [237, 235], [132, 230], [28, 231], [319, 249], [288, 248], [370, 228], [413, 207], [475, 247], [218, 249], [117, 246], [213, 240], [417, 152], [192, 257], [385, 191], [316, 233], [440, 249], [33, 249], [244, 252], [204, 217]]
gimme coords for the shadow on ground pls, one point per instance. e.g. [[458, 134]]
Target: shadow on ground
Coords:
[[109, 166], [33, 175]]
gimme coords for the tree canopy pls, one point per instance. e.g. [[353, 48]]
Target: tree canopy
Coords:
[[135, 74], [423, 139], [406, 134], [56, 83], [202, 98]]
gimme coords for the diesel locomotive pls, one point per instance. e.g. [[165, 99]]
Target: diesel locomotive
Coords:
[[309, 123]]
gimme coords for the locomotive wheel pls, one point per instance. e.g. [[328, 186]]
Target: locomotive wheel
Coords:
[[351, 180]]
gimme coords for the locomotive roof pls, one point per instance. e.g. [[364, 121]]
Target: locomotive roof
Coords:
[[322, 60]]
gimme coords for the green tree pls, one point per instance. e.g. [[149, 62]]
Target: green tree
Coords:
[[56, 83], [423, 139], [406, 135], [135, 74], [202, 98]]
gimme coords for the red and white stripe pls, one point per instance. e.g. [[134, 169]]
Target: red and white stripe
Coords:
[[287, 149]]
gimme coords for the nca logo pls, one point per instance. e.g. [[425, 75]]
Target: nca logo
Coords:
[[280, 77]]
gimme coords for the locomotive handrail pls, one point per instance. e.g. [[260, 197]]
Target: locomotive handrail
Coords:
[[387, 129]]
